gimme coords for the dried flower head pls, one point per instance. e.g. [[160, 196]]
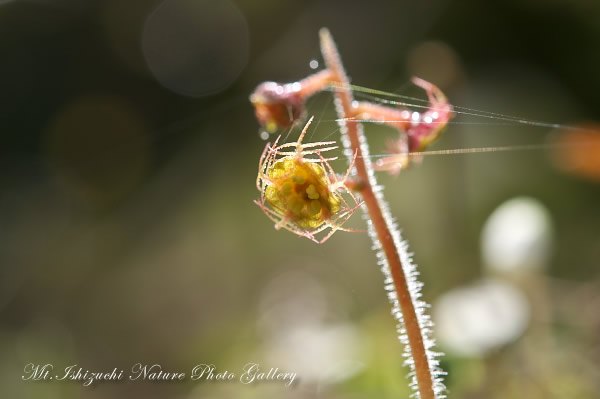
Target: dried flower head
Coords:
[[299, 190], [425, 128], [429, 125]]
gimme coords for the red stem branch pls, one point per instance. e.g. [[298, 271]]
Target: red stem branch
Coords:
[[348, 112]]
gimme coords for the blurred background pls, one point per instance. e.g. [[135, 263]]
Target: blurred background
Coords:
[[128, 233]]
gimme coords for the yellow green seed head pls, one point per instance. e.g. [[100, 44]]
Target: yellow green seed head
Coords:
[[300, 191]]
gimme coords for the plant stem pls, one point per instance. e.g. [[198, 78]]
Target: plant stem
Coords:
[[382, 225], [314, 83], [397, 118]]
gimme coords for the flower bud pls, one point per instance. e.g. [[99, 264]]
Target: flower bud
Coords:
[[277, 106]]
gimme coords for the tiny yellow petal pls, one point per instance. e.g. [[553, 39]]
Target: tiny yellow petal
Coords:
[[314, 207], [312, 192], [286, 189], [271, 126], [296, 205]]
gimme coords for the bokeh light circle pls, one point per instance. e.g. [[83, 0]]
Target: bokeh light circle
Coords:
[[435, 62], [196, 48]]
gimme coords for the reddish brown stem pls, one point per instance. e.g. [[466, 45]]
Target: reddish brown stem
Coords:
[[397, 118], [348, 112], [314, 83]]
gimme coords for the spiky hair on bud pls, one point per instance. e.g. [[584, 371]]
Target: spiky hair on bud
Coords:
[[299, 190]]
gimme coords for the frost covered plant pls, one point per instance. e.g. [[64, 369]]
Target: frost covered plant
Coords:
[[301, 193]]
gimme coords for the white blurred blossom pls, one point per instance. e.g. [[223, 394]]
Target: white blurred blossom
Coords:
[[320, 353], [517, 236], [475, 319], [306, 331]]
